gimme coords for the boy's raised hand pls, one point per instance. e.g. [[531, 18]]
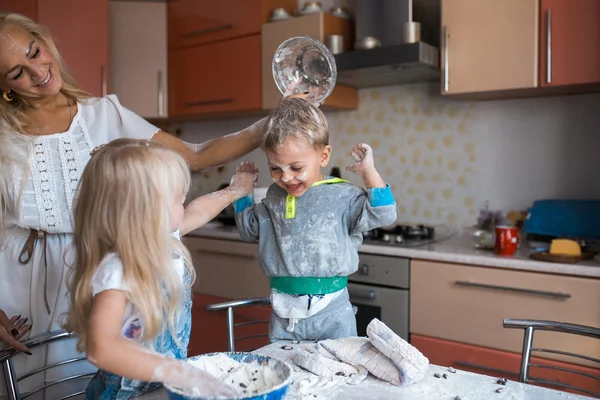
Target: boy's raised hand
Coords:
[[365, 167], [363, 157], [245, 178]]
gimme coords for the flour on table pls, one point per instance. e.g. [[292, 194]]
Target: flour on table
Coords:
[[312, 387], [246, 378]]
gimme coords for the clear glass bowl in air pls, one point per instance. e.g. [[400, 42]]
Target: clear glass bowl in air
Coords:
[[302, 64]]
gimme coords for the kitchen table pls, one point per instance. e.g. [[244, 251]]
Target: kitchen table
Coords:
[[459, 385]]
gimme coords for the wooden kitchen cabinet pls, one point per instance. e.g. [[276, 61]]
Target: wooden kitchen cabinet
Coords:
[[193, 22], [467, 304], [209, 329], [227, 268], [489, 45], [138, 56], [317, 26], [498, 363], [25, 7], [215, 78], [570, 42], [80, 30]]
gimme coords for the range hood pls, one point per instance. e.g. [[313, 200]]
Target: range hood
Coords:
[[389, 65], [394, 62]]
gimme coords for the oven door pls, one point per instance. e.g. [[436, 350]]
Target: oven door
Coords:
[[388, 305]]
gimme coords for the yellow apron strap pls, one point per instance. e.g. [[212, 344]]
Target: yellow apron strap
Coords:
[[290, 202], [290, 207], [330, 180]]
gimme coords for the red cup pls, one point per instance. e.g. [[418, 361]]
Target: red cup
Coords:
[[507, 240]]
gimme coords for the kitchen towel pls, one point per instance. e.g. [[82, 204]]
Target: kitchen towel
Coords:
[[383, 353], [322, 363], [411, 363]]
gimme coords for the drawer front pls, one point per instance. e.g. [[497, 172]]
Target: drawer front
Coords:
[[498, 363], [193, 22], [217, 77], [468, 304], [227, 269]]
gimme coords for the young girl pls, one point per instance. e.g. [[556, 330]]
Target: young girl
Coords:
[[130, 292]]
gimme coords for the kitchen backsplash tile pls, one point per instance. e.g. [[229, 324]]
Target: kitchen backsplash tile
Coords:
[[444, 158]]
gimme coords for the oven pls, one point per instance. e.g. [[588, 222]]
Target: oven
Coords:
[[380, 289]]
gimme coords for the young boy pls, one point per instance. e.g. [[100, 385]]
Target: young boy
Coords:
[[310, 226]]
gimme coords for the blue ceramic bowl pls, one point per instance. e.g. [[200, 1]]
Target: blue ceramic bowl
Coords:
[[277, 392]]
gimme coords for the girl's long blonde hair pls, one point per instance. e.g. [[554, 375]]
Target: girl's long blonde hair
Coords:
[[124, 207], [15, 147]]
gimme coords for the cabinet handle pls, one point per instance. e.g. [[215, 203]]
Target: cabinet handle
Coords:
[[363, 269], [103, 81], [491, 369], [207, 102], [161, 95], [446, 63], [557, 295], [208, 30], [548, 46], [362, 294]]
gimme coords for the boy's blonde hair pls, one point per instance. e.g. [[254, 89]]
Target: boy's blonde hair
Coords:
[[124, 207], [295, 118]]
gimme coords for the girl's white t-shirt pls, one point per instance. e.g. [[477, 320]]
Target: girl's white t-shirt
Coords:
[[109, 276]]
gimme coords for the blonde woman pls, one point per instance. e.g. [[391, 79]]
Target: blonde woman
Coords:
[[131, 286], [48, 128]]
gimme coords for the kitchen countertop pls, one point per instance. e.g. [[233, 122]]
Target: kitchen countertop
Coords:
[[457, 248]]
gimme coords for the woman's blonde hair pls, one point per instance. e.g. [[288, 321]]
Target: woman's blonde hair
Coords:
[[124, 207], [15, 147]]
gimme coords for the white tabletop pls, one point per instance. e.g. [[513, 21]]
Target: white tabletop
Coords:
[[465, 385]]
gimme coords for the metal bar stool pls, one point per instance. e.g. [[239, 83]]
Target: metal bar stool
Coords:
[[230, 306], [530, 326], [12, 379]]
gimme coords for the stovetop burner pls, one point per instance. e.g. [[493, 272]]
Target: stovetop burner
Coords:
[[401, 235]]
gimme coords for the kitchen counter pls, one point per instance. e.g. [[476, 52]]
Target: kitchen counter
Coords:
[[458, 385], [455, 249]]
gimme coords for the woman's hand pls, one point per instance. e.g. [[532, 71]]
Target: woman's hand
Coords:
[[308, 96], [12, 330], [245, 178]]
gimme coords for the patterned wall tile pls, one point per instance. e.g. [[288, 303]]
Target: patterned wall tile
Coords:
[[445, 158]]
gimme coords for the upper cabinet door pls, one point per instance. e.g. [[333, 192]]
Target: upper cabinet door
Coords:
[[138, 56], [25, 7], [570, 42], [489, 45], [317, 26], [220, 77], [80, 29], [192, 22]]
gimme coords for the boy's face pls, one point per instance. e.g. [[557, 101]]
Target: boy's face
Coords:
[[296, 165]]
